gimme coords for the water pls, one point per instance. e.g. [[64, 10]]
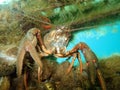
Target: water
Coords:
[[103, 40]]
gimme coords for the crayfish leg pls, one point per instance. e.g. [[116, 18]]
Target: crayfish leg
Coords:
[[36, 58], [70, 67], [80, 61], [25, 80], [101, 79], [19, 62]]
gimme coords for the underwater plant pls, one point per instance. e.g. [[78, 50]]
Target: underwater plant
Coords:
[[19, 16]]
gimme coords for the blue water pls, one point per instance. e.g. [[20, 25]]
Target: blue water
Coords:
[[103, 40]]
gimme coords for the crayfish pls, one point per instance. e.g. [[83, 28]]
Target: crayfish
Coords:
[[55, 43]]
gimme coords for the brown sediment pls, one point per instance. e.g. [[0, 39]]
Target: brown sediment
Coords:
[[54, 75]]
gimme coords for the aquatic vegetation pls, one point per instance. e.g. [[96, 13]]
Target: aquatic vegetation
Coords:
[[10, 32], [110, 68], [17, 17]]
